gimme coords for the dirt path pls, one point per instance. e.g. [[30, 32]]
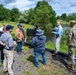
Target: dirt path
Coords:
[[24, 65]]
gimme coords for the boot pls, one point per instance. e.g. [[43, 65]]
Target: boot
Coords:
[[71, 67], [5, 71], [54, 54], [19, 53], [68, 58]]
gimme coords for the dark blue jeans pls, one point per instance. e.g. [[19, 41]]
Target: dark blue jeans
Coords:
[[2, 54], [19, 46], [36, 54]]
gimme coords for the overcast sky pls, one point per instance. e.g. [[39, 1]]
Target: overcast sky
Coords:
[[60, 6]]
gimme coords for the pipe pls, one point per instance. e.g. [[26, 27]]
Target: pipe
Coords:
[[52, 51], [60, 53]]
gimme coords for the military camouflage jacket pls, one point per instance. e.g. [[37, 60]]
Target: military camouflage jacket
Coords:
[[72, 37]]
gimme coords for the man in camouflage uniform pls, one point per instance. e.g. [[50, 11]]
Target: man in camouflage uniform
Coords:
[[72, 44]]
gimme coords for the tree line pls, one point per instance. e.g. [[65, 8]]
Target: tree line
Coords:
[[65, 17]]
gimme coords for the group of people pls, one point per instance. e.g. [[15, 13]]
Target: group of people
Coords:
[[7, 44], [6, 40], [71, 42]]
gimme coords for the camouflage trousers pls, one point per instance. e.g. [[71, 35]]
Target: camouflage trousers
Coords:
[[72, 54]]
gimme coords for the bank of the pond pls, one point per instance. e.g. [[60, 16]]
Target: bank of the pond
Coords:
[[63, 46], [51, 45]]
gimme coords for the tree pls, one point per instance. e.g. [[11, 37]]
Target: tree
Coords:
[[4, 13], [27, 16], [22, 19], [1, 6], [72, 16], [58, 17], [15, 14], [44, 15], [64, 16]]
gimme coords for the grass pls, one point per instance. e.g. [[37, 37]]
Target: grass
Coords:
[[65, 23], [15, 26], [63, 47], [50, 45], [50, 69]]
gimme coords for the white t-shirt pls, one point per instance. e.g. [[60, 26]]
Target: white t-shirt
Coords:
[[1, 29]]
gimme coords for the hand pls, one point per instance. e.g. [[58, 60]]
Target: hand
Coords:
[[25, 39], [52, 32], [4, 44], [14, 43]]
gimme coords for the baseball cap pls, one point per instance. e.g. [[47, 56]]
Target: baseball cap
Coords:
[[19, 25], [9, 27]]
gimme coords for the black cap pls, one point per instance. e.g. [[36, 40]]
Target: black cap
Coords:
[[9, 27]]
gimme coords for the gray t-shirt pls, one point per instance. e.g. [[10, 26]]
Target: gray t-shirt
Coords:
[[8, 40]]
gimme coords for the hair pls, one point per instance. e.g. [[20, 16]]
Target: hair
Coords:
[[59, 22], [37, 26], [4, 25]]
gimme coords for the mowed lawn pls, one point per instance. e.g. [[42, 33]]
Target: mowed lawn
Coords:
[[15, 26]]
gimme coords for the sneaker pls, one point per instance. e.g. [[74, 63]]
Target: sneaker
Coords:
[[19, 53], [54, 54], [71, 67], [68, 59]]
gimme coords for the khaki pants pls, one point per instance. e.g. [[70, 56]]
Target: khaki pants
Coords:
[[72, 54], [8, 61], [57, 45]]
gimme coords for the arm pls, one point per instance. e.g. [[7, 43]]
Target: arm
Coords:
[[59, 32], [17, 35], [10, 42], [70, 35], [2, 43], [33, 42]]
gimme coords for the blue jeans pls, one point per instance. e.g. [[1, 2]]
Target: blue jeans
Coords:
[[36, 54], [19, 46]]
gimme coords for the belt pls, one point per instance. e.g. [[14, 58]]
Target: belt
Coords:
[[8, 49]]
